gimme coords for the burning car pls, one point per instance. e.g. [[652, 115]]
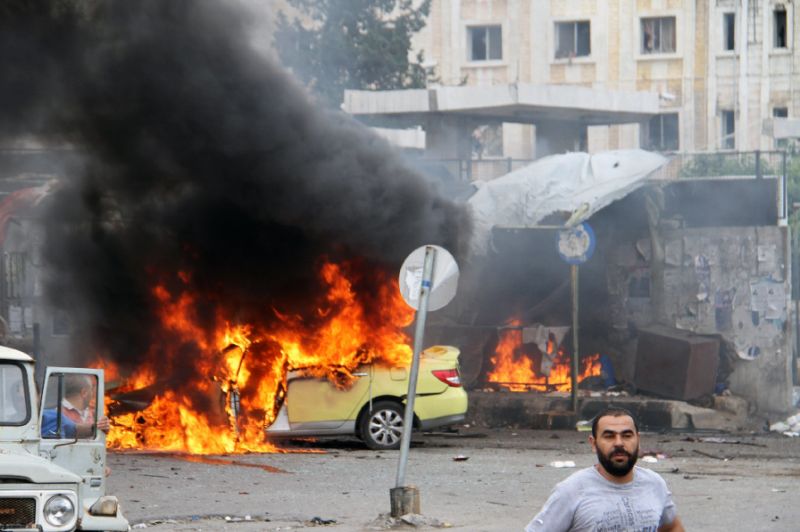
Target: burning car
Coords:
[[372, 407], [53, 482]]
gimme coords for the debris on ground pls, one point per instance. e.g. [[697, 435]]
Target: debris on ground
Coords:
[[562, 463], [715, 457], [788, 427], [460, 458], [318, 521], [387, 522], [658, 455]]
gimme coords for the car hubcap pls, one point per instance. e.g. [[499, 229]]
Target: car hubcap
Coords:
[[386, 427]]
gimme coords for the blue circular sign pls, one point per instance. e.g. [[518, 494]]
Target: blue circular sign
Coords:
[[576, 244]]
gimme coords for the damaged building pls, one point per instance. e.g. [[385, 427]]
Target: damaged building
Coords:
[[687, 294]]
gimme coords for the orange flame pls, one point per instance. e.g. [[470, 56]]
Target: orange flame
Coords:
[[514, 370], [155, 409]]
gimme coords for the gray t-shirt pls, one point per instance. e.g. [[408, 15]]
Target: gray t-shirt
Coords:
[[587, 501]]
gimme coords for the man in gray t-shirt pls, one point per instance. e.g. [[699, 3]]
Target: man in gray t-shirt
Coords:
[[614, 495]]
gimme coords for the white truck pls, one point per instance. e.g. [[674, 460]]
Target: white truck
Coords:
[[53, 467]]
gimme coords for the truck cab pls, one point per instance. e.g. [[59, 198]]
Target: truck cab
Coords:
[[52, 467]]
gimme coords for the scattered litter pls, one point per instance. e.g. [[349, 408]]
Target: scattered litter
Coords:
[[788, 427], [460, 458], [321, 521], [139, 525], [780, 426], [778, 490], [561, 464], [658, 455], [583, 426], [649, 459], [714, 456], [497, 503], [513, 433]]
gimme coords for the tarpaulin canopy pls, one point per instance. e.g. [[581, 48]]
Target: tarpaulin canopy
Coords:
[[573, 185]]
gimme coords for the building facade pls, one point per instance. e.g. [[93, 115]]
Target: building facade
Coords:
[[723, 69]]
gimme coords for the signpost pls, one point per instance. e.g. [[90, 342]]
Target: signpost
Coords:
[[575, 245], [428, 281]]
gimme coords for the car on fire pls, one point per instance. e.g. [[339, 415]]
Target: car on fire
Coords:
[[372, 409], [54, 482]]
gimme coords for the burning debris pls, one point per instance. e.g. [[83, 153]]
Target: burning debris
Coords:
[[520, 366], [214, 207]]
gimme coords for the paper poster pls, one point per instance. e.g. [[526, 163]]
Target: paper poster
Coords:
[[413, 282]]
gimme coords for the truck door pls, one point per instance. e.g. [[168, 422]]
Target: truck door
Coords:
[[72, 402]]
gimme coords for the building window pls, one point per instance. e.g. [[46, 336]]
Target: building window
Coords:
[[485, 43], [663, 133], [15, 280], [573, 39], [729, 31], [779, 19], [658, 35], [728, 138], [780, 112]]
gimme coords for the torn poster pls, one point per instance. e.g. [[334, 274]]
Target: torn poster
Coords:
[[768, 297]]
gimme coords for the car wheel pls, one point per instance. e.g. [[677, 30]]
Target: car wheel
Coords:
[[382, 428]]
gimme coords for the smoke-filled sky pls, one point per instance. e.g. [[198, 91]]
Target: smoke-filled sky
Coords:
[[201, 157]]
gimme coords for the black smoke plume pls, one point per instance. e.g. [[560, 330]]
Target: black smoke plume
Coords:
[[206, 168]]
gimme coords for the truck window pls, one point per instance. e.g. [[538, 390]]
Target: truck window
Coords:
[[70, 407], [15, 406]]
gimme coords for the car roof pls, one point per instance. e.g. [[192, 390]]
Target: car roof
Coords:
[[6, 353]]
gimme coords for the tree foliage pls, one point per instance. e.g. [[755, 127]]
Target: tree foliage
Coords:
[[333, 45]]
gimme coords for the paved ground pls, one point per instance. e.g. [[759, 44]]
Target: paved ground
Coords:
[[746, 483]]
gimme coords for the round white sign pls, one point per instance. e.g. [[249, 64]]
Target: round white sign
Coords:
[[444, 280], [576, 245]]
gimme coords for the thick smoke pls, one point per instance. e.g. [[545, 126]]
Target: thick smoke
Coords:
[[201, 157]]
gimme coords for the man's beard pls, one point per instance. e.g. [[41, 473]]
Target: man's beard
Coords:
[[617, 469]]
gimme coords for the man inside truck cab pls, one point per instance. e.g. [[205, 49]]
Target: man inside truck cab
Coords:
[[77, 417]]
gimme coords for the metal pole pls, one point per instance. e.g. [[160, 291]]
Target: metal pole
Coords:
[[784, 191], [573, 270], [422, 312]]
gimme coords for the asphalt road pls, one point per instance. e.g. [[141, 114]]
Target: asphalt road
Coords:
[[747, 483]]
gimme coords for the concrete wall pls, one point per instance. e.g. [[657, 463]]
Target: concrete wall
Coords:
[[700, 79], [729, 281]]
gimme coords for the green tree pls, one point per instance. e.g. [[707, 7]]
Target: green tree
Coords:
[[333, 45]]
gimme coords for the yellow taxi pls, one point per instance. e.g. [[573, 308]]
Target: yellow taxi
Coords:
[[372, 408]]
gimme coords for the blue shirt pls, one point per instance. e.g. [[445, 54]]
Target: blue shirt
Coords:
[[50, 425]]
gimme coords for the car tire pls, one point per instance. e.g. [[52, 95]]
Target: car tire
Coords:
[[382, 428]]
